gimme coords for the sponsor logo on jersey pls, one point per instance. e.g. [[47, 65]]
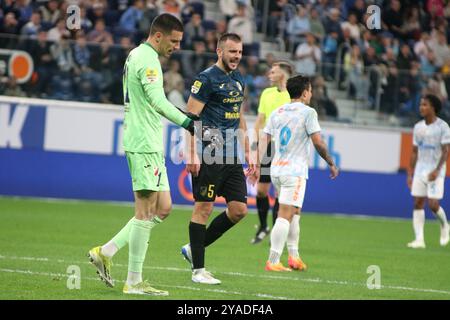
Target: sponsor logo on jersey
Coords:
[[151, 75], [196, 87]]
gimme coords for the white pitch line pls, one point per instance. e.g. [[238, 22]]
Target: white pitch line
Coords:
[[247, 275], [61, 275]]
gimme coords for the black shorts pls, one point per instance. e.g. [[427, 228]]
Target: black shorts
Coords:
[[264, 176], [226, 180]]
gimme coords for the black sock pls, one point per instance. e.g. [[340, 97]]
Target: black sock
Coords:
[[276, 206], [217, 228], [262, 204], [197, 240]]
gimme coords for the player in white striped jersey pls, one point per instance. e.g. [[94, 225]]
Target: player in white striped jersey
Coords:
[[431, 144], [292, 127]]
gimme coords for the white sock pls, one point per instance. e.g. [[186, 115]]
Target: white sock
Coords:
[[155, 221], [293, 237], [440, 215], [278, 238], [418, 223], [109, 249], [134, 278], [197, 271]]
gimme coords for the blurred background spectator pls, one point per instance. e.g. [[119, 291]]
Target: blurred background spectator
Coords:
[[386, 70]]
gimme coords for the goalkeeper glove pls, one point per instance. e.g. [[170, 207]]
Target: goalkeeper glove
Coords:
[[190, 126]]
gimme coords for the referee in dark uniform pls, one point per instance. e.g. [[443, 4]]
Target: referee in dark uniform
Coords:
[[216, 96]]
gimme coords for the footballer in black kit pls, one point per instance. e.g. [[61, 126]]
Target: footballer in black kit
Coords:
[[216, 96]]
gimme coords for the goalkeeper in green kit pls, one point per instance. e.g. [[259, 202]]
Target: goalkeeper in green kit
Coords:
[[145, 104]]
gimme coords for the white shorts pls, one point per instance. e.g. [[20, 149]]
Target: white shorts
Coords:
[[291, 190], [421, 187]]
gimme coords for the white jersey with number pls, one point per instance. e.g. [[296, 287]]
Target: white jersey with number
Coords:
[[429, 140], [291, 126]]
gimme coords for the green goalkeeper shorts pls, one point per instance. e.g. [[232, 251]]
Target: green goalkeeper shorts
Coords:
[[148, 171]]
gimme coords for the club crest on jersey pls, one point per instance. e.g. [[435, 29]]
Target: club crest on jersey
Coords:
[[239, 86], [203, 191], [151, 75], [196, 87]]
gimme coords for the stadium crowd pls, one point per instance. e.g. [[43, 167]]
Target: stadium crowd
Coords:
[[385, 69]]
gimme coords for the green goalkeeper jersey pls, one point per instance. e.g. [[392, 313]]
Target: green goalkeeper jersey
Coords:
[[145, 102]]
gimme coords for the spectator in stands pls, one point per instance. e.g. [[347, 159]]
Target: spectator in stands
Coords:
[[409, 89], [366, 41], [242, 25], [325, 107], [130, 18], [307, 56], [63, 55], [86, 24], [389, 85], [354, 68], [370, 57], [440, 48], [352, 26], [422, 47], [427, 66], [359, 9], [332, 23], [172, 76], [50, 12], [13, 89], [44, 64], [211, 41], [150, 12], [404, 58], [25, 9], [101, 63], [55, 33], [393, 19], [193, 62], [118, 56], [176, 95], [10, 27], [411, 25], [329, 54], [323, 7], [96, 11], [389, 44], [228, 8], [172, 7], [100, 34], [298, 27], [31, 28], [193, 30], [316, 24], [221, 28]]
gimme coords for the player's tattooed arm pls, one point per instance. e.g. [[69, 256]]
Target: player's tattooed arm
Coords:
[[434, 174], [412, 166], [322, 150]]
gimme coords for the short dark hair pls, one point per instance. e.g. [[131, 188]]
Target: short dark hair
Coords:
[[285, 66], [228, 36], [297, 85], [166, 23], [434, 101]]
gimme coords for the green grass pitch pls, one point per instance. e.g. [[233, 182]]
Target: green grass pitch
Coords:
[[39, 240]]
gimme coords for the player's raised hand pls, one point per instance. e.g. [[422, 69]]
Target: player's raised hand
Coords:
[[334, 172]]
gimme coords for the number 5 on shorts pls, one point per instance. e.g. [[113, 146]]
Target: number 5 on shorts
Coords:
[[210, 191]]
